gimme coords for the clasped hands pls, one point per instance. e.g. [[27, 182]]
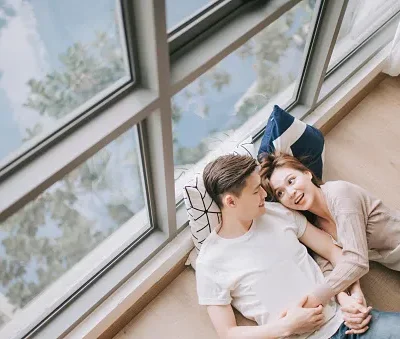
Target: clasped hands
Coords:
[[356, 314]]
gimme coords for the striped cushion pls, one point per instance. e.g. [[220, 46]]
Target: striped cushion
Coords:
[[203, 212], [290, 135]]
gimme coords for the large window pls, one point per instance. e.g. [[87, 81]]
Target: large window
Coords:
[[232, 94], [362, 19], [63, 229], [180, 11], [109, 106], [56, 56]]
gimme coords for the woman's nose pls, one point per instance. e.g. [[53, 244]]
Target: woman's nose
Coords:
[[291, 191]]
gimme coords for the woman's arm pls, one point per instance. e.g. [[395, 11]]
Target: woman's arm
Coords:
[[327, 268], [325, 265], [351, 264], [354, 263], [321, 243]]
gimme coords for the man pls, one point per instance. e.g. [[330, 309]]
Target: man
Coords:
[[255, 262]]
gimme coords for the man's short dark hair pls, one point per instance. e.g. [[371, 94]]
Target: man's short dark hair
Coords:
[[227, 174]]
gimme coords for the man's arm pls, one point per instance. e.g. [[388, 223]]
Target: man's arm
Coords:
[[224, 322], [297, 320]]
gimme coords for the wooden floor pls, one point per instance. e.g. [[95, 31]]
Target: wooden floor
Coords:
[[363, 148]]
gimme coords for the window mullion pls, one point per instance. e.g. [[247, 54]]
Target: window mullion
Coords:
[[158, 133], [324, 38]]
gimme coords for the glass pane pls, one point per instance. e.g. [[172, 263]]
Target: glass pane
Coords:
[[229, 98], [362, 18], [55, 56], [178, 11], [73, 227]]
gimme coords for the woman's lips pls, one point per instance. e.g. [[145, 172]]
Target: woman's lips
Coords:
[[300, 198]]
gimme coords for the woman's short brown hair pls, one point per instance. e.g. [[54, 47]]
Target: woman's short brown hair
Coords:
[[227, 174], [271, 161]]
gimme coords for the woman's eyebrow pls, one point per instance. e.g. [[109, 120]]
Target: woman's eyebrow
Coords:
[[284, 180]]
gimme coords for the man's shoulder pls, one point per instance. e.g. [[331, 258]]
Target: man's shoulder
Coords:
[[209, 249], [275, 211], [277, 215]]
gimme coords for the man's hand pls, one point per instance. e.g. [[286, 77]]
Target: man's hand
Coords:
[[299, 320], [355, 313]]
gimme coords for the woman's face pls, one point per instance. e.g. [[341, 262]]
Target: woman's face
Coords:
[[293, 188]]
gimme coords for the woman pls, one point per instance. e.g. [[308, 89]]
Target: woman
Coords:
[[360, 224]]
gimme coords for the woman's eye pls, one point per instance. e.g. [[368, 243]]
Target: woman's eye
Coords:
[[291, 180]]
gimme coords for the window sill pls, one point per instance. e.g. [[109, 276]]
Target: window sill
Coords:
[[142, 282]]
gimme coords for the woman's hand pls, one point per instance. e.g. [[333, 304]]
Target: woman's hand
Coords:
[[355, 313], [301, 320]]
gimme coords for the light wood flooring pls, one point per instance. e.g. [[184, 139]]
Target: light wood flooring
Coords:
[[364, 148]]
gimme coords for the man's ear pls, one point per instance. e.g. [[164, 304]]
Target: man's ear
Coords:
[[229, 200]]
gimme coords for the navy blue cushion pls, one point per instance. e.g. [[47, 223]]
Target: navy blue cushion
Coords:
[[290, 135]]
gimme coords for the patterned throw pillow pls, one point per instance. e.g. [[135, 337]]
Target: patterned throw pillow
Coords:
[[287, 134], [203, 212]]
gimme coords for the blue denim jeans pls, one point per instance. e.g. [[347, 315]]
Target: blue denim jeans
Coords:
[[383, 325]]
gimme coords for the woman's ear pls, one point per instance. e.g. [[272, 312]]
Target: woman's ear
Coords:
[[308, 173]]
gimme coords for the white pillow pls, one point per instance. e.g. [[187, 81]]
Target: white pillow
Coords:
[[203, 213]]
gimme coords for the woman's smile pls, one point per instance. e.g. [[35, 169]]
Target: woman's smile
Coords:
[[299, 199]]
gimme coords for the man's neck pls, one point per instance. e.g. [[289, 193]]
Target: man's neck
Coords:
[[232, 227]]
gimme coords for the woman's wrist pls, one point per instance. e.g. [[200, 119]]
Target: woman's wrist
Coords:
[[341, 297], [355, 289], [323, 293]]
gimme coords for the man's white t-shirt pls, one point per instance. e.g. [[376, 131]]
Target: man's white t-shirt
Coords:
[[263, 272]]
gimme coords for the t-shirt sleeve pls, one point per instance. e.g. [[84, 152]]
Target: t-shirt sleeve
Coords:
[[211, 289], [300, 223]]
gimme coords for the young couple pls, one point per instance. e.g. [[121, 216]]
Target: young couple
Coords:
[[257, 261]]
